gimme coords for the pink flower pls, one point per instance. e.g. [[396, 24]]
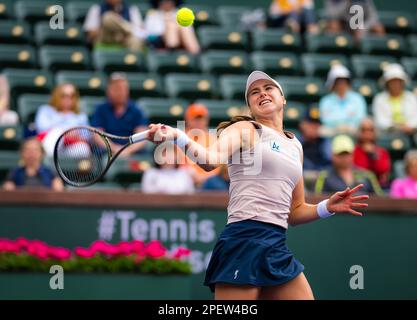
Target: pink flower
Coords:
[[104, 247], [59, 253], [23, 243], [124, 248], [138, 247], [9, 246], [155, 249], [38, 248], [180, 252], [84, 253]]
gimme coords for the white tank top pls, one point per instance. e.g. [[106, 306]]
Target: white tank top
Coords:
[[261, 184]]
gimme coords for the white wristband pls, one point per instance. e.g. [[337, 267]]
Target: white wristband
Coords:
[[322, 209], [182, 139]]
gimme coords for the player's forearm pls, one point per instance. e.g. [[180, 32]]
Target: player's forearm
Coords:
[[206, 158], [303, 213]]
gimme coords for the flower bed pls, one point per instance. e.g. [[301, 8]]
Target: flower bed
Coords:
[[125, 257]]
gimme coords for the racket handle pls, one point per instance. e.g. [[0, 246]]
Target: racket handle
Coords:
[[138, 137]]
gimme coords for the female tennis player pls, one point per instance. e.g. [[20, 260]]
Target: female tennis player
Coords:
[[251, 259]]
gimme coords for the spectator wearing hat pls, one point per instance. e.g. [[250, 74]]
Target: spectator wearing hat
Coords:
[[317, 149], [395, 108], [119, 115], [196, 127], [343, 173], [342, 110], [114, 23], [163, 31], [406, 187], [368, 155]]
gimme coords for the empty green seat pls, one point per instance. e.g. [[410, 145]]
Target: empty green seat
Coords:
[[125, 172], [117, 60], [330, 43], [27, 81], [56, 58], [276, 40], [413, 86], [232, 87], [164, 110], [369, 66], [276, 63], [302, 89], [190, 86], [389, 44], [397, 144], [229, 16], [221, 110], [316, 64], [410, 65], [399, 169], [293, 113], [145, 85], [165, 62], [88, 82], [224, 61], [17, 56], [27, 106], [6, 9], [10, 137], [13, 31], [204, 15], [396, 21], [72, 34], [212, 37], [34, 11], [368, 88], [412, 43], [77, 10], [9, 160]]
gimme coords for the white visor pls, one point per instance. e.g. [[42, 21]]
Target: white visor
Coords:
[[259, 75]]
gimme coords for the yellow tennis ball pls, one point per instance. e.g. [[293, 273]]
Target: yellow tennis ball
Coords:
[[185, 17]]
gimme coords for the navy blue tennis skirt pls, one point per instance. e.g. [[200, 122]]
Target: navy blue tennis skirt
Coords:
[[254, 253]]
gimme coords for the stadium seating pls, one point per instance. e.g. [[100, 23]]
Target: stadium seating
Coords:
[[224, 62], [399, 169], [17, 56], [72, 34], [315, 64], [219, 110], [88, 104], [117, 60], [127, 171], [13, 31], [164, 110], [213, 37], [276, 40], [55, 58], [9, 160], [165, 62], [204, 15], [330, 43], [145, 85], [396, 144], [367, 88], [293, 113], [6, 9], [27, 81], [232, 87], [10, 137], [389, 45], [77, 10], [397, 22], [190, 86], [229, 16], [370, 66], [302, 89], [276, 63], [34, 11], [412, 43], [410, 66], [88, 82], [28, 104]]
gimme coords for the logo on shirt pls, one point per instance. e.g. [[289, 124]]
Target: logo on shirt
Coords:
[[274, 146]]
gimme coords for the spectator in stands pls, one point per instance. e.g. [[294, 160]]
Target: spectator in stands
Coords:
[[343, 174], [218, 182], [167, 176], [342, 110], [317, 149], [407, 187], [339, 18], [32, 173], [368, 155], [62, 112], [163, 30], [297, 15], [395, 108], [115, 24], [196, 126], [7, 117], [119, 115]]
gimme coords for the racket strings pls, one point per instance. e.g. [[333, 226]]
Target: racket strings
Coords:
[[82, 156]]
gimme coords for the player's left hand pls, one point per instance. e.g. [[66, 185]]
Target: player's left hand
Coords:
[[345, 202]]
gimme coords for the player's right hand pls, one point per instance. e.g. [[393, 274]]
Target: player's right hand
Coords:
[[159, 133]]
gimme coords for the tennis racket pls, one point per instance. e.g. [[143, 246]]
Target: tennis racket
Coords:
[[82, 155]]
